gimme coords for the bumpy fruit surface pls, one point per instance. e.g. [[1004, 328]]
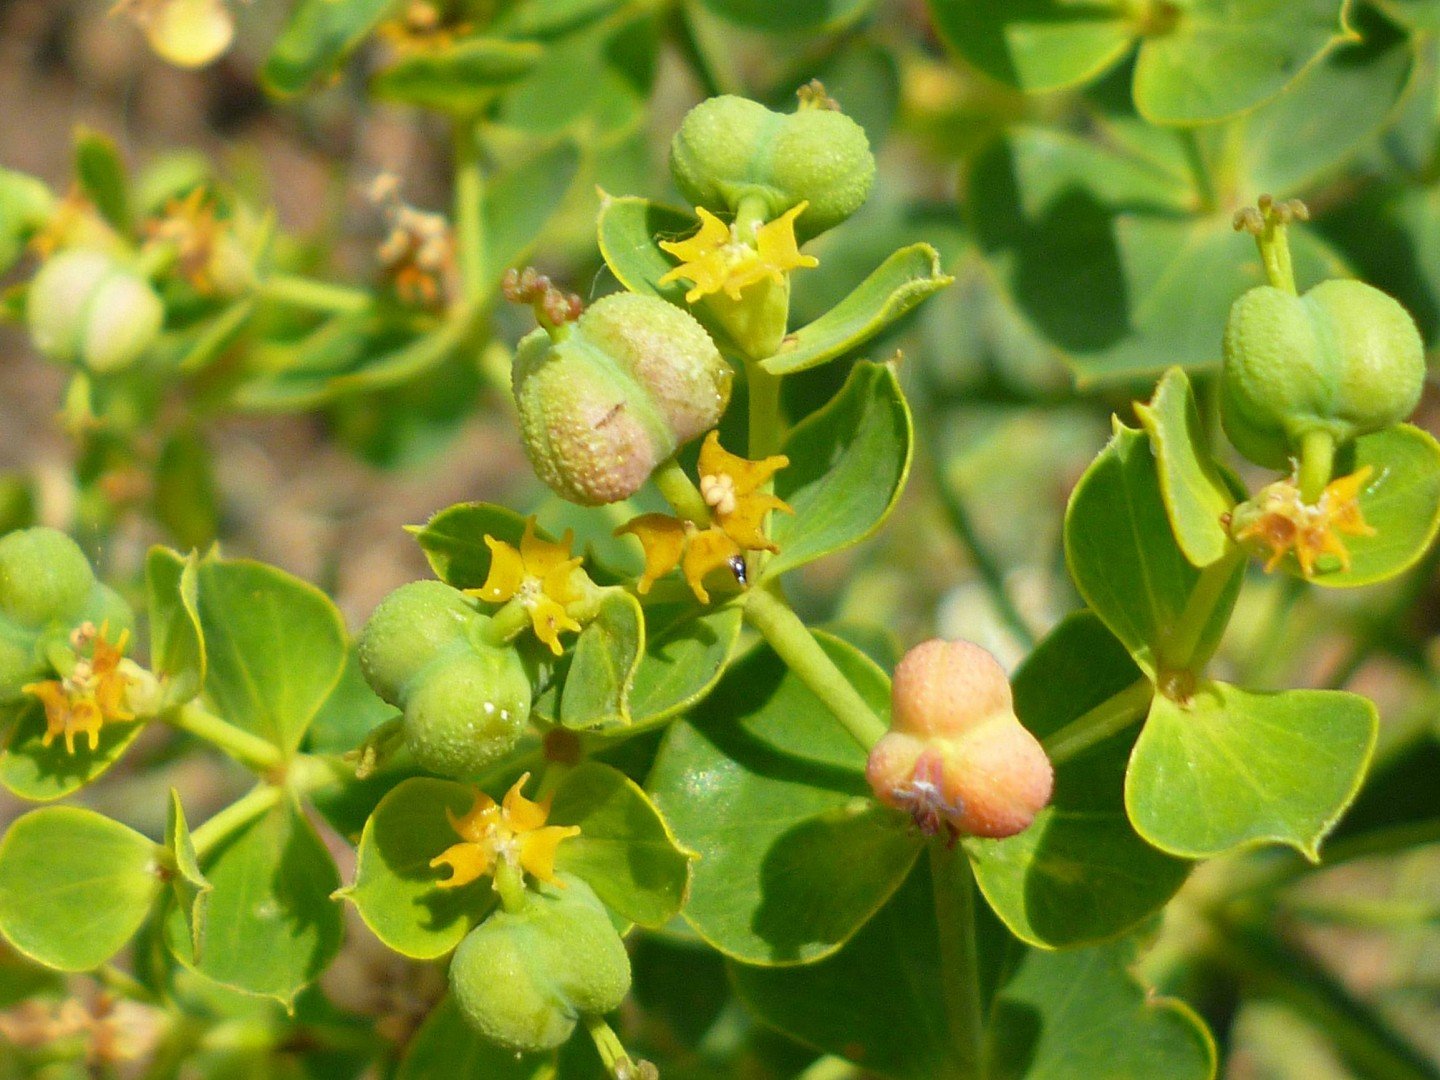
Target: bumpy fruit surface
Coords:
[[633, 379], [729, 148], [956, 755], [523, 979], [86, 307], [467, 709], [409, 629], [1344, 358]]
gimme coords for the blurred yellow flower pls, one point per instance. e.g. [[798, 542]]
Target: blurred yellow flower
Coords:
[[187, 33], [717, 258], [92, 695], [541, 575], [515, 831]]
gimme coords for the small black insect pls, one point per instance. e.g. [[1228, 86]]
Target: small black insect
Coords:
[[737, 567]]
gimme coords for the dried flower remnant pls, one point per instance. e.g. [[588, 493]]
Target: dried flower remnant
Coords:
[[94, 693], [418, 253], [1278, 521]]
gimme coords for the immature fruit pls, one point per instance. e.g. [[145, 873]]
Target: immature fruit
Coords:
[[729, 148], [523, 979], [409, 629], [956, 756], [43, 576], [633, 379], [465, 710], [86, 307], [1345, 358]]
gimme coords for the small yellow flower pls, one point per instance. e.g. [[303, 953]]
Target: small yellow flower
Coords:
[[515, 831], [1280, 521], [191, 225], [541, 574], [734, 490], [717, 258], [92, 695], [188, 33]]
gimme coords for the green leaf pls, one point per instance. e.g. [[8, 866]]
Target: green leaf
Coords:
[[40, 773], [274, 645], [1401, 503], [25, 205], [396, 891], [188, 882], [101, 175], [520, 202], [848, 466], [763, 783], [1195, 494], [1080, 1013], [1036, 45], [625, 851], [271, 926], [318, 36], [894, 288], [185, 500], [1079, 873], [177, 649], [596, 691], [454, 540], [1230, 768], [460, 78], [682, 662], [216, 336], [1128, 567], [446, 1045], [1224, 57], [74, 886], [813, 16]]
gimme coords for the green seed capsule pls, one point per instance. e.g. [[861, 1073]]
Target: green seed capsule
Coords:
[[44, 577], [467, 709], [1344, 358], [632, 380], [729, 149], [523, 979], [409, 629], [86, 307]]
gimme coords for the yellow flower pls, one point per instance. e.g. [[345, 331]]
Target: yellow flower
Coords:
[[1281, 521], [188, 33], [514, 831], [92, 695], [734, 490], [717, 258], [541, 575], [190, 224]]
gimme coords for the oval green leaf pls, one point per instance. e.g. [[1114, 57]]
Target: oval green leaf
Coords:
[[1231, 769], [683, 661], [318, 36], [454, 540], [40, 773], [595, 695], [74, 886], [177, 649], [459, 78]]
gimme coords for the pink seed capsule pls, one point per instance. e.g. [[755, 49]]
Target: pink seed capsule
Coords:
[[948, 687]]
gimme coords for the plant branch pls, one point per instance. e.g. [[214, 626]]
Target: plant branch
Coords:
[[469, 208], [256, 803], [680, 492], [250, 750], [306, 292], [1110, 717], [953, 883]]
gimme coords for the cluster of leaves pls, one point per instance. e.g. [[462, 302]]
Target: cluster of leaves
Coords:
[[724, 814]]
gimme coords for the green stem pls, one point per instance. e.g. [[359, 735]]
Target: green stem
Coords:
[[986, 564], [607, 1045], [1110, 717], [1275, 254], [510, 884], [953, 883], [793, 643], [316, 295], [469, 208], [257, 802], [508, 623], [680, 492], [1199, 170], [250, 750], [1180, 652], [1317, 462], [767, 423]]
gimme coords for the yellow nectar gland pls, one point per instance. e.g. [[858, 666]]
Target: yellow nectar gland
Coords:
[[1278, 521], [513, 832], [734, 489], [92, 695], [541, 575], [717, 258]]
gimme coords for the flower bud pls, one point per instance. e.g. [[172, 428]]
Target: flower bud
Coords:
[[409, 629], [956, 756], [1344, 358], [467, 709], [85, 307], [729, 149], [600, 408], [523, 979]]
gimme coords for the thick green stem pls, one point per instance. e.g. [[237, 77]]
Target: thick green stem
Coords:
[[469, 209], [767, 424], [608, 1045], [1110, 717], [510, 884], [508, 623], [1275, 254], [793, 643], [1180, 652], [1317, 463], [315, 295], [250, 750], [953, 883], [680, 492], [259, 801]]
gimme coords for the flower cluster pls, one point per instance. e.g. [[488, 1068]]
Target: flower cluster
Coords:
[[719, 258], [541, 575], [1280, 521], [94, 693]]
